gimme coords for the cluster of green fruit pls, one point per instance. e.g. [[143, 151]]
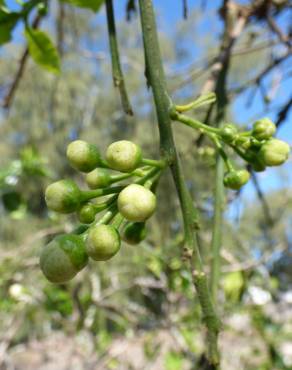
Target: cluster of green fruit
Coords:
[[127, 206], [257, 147]]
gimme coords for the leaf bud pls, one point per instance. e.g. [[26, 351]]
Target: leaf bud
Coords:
[[63, 258], [136, 203], [236, 179], [263, 129], [83, 156], [86, 214], [228, 132], [63, 196], [103, 242], [124, 156], [134, 232], [274, 152], [98, 178]]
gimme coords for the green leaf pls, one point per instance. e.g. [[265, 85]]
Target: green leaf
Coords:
[[42, 50], [7, 23], [89, 4]]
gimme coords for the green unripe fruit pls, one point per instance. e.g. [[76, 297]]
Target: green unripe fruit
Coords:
[[83, 156], [124, 156], [98, 178], [263, 129], [103, 242], [236, 179], [134, 233], [258, 166], [136, 203], [86, 214], [274, 152], [63, 196], [63, 258], [228, 132]]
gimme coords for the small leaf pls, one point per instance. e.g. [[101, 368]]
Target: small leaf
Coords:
[[89, 4], [7, 23], [42, 50]]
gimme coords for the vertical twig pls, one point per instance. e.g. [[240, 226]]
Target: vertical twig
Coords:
[[185, 8], [118, 77], [60, 28], [217, 228], [233, 27], [7, 101], [168, 151]]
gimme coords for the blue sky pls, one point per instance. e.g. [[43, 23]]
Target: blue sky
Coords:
[[169, 12]]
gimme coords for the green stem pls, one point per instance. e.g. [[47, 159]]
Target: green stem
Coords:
[[148, 176], [191, 122], [117, 221], [117, 178], [217, 226], [108, 216], [223, 155], [154, 163], [222, 101], [163, 105], [90, 194], [118, 77], [104, 205]]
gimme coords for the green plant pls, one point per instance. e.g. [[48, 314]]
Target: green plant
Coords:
[[63, 258], [136, 201], [122, 203]]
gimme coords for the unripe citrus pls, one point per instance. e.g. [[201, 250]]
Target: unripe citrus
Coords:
[[63, 258], [134, 232], [86, 214], [136, 203], [83, 156], [103, 242], [236, 179], [274, 152], [263, 129], [124, 156], [98, 178], [63, 196]]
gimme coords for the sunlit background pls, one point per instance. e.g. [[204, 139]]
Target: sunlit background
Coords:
[[139, 310]]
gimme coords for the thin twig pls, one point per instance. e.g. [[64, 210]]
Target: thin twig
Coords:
[[282, 114], [261, 196], [118, 77], [7, 101], [60, 28]]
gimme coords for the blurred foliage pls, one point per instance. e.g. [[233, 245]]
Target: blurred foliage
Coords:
[[146, 287]]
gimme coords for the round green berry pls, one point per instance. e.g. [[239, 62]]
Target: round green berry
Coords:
[[136, 203], [258, 165], [134, 232], [124, 156], [86, 214], [228, 132], [83, 156], [98, 178], [63, 196], [263, 129], [63, 258], [103, 242], [236, 179], [274, 152]]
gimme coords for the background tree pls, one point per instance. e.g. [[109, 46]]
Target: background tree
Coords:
[[146, 290]]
